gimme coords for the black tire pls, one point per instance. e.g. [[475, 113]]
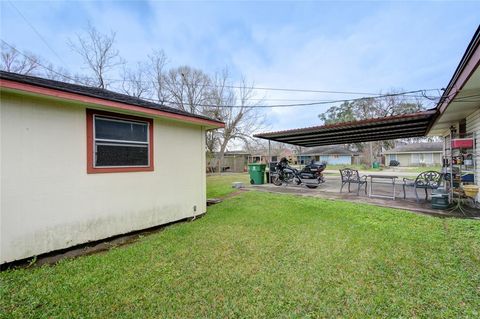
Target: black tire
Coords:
[[312, 186], [252, 182], [277, 181]]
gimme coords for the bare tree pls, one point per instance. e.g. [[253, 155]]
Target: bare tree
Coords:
[[240, 121], [212, 140], [53, 72], [187, 89], [13, 61], [135, 81], [260, 146], [157, 62], [98, 53]]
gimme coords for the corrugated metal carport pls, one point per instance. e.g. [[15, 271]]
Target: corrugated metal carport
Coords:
[[376, 129]]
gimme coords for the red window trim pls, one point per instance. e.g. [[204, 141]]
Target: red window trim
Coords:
[[91, 169]]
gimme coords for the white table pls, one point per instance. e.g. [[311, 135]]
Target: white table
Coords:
[[392, 178]]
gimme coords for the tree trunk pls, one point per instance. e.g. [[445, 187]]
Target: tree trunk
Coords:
[[221, 155]]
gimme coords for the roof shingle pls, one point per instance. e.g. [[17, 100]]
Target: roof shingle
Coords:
[[417, 147], [328, 150], [96, 93]]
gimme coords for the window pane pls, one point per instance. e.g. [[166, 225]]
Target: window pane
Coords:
[[120, 130], [415, 158], [121, 155], [429, 158]]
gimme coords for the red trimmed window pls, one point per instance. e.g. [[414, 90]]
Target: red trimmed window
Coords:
[[118, 143]]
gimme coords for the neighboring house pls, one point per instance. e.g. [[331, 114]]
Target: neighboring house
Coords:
[[275, 155], [233, 161], [80, 164], [332, 155], [459, 108], [416, 154], [236, 161]]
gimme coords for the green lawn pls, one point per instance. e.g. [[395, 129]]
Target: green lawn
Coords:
[[354, 166], [260, 255], [221, 185], [423, 169]]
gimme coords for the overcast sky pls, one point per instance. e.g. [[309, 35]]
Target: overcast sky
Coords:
[[341, 46]]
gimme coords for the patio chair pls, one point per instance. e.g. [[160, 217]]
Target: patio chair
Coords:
[[425, 180], [351, 176]]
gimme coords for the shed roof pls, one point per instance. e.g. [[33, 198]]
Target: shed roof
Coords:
[[328, 150], [376, 129], [7, 77], [237, 153], [417, 147]]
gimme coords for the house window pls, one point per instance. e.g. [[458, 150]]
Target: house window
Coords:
[[422, 158], [393, 157], [118, 143], [428, 158], [415, 158]]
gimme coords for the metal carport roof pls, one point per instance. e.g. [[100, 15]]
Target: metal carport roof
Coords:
[[376, 129]]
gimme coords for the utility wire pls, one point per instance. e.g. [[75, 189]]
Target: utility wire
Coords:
[[268, 88], [299, 104], [42, 65], [316, 103], [415, 97], [370, 95], [262, 88], [37, 33]]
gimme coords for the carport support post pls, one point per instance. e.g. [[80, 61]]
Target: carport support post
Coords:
[[371, 154], [269, 154]]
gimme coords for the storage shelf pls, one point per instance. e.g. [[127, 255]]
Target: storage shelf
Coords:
[[456, 172]]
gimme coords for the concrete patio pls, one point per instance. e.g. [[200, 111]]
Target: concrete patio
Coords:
[[331, 190]]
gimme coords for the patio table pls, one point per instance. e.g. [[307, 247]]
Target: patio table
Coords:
[[392, 179]]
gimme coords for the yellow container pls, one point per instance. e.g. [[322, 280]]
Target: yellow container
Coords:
[[470, 190]]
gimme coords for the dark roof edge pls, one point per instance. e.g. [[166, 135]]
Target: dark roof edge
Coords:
[[429, 112], [467, 55], [471, 48], [417, 147], [97, 93]]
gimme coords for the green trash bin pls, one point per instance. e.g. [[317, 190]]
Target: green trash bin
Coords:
[[257, 173], [375, 165]]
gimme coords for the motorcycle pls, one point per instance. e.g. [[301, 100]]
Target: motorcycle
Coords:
[[311, 175]]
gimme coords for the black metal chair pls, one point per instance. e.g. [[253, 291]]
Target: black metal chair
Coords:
[[425, 180], [351, 176]]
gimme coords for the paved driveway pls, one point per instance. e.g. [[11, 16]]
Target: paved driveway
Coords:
[[331, 190], [389, 172]]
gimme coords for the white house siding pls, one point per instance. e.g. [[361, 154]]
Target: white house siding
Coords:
[[49, 202], [473, 126], [407, 159], [335, 159]]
